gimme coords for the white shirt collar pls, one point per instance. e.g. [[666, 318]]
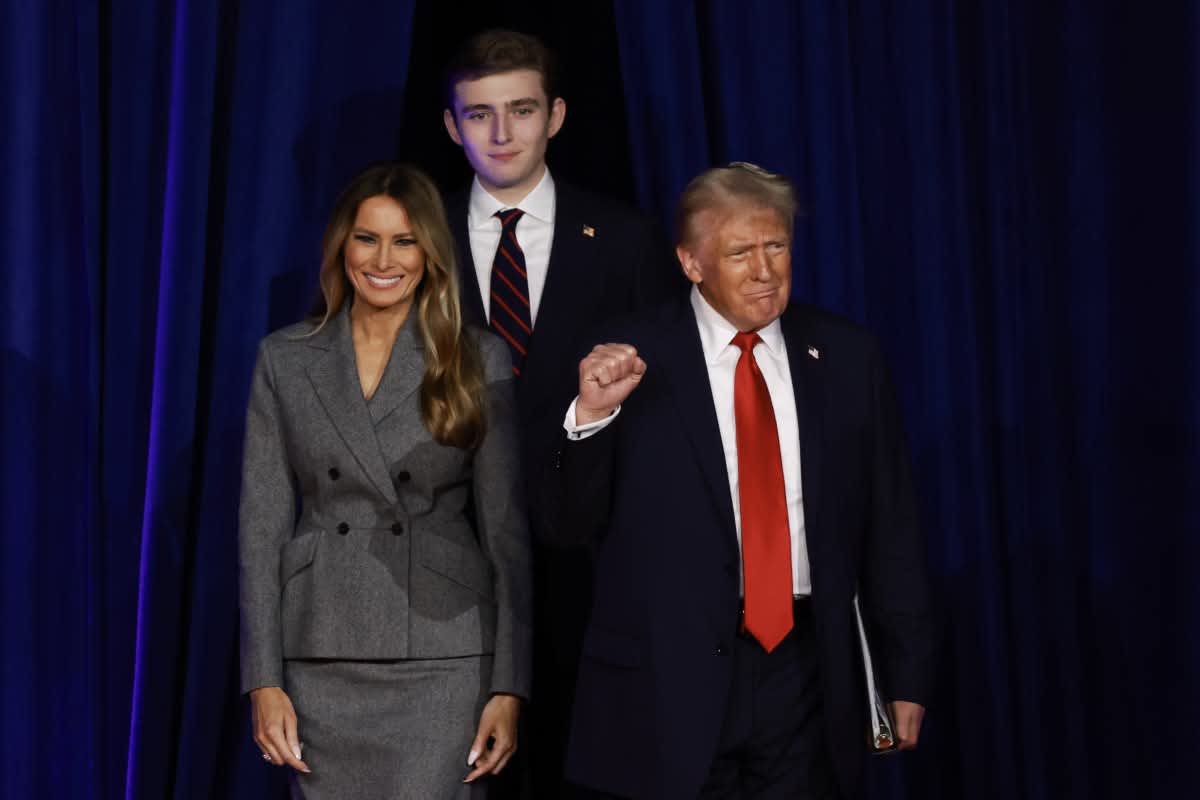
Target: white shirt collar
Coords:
[[716, 332], [539, 203]]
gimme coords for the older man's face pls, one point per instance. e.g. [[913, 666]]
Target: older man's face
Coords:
[[742, 260]]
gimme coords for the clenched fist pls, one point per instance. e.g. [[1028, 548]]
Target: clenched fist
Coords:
[[607, 376]]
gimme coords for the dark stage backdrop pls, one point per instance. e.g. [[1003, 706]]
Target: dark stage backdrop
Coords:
[[1005, 191]]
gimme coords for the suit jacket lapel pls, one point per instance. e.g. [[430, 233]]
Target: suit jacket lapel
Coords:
[[334, 378], [808, 384], [468, 282], [405, 368], [683, 364], [570, 253]]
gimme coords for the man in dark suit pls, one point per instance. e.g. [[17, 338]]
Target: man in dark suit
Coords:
[[542, 263], [741, 465]]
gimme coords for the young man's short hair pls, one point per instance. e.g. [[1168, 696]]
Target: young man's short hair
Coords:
[[495, 51]]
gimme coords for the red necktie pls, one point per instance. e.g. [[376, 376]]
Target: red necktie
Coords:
[[510, 314], [766, 538]]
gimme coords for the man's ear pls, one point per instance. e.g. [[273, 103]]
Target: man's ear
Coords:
[[690, 264], [451, 126], [558, 113]]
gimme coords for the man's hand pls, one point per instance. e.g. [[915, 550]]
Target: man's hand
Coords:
[[908, 717], [275, 727], [498, 722], [607, 376]]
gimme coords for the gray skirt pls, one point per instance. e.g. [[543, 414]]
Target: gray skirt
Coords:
[[388, 729]]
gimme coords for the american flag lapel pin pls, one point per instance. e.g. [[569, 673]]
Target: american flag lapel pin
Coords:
[[589, 231], [814, 353]]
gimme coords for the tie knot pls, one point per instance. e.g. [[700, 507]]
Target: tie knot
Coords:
[[745, 341], [509, 217]]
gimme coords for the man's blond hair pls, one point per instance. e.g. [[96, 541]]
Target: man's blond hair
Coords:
[[738, 185]]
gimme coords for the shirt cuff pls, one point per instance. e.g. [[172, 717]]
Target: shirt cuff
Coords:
[[577, 432]]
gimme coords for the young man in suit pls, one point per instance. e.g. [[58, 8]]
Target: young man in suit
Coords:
[[542, 263], [739, 464]]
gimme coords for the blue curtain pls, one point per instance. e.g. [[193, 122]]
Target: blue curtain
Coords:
[[1006, 191], [168, 168]]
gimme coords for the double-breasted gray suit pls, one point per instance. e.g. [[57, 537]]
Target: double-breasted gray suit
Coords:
[[362, 538]]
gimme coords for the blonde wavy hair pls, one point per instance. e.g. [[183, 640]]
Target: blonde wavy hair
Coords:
[[452, 389]]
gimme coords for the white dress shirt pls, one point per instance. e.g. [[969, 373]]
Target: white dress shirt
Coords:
[[535, 232], [716, 335]]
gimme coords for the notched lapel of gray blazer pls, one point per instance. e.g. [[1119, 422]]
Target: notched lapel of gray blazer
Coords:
[[334, 377], [406, 367]]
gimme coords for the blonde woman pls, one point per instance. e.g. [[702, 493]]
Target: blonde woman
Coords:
[[385, 591]]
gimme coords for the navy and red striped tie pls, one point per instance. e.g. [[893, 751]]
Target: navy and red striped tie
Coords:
[[510, 313]]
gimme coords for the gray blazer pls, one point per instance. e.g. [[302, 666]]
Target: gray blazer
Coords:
[[363, 538]]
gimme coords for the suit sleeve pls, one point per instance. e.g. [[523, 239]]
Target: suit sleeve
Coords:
[[503, 524], [266, 521], [575, 477], [576, 488], [895, 587]]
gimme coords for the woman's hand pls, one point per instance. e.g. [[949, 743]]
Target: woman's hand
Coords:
[[499, 723], [275, 727]]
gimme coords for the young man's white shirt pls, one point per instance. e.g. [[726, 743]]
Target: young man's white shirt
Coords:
[[535, 233]]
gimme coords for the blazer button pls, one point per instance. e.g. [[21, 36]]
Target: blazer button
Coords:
[[343, 528], [720, 650], [397, 528], [402, 476], [334, 474]]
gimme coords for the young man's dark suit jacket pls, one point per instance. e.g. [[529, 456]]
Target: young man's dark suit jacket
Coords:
[[606, 260], [652, 489]]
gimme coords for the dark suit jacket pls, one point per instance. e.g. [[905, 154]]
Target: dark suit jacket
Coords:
[[385, 560], [652, 489], [621, 266]]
